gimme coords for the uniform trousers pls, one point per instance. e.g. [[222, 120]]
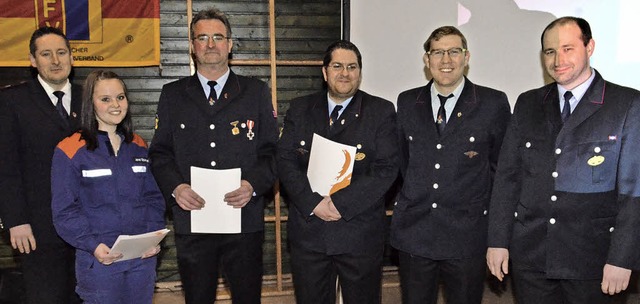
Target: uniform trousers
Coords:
[[125, 282], [49, 276], [463, 279], [202, 257], [533, 287], [315, 273]]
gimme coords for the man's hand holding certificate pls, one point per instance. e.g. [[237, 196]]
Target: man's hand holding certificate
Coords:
[[330, 165], [217, 216]]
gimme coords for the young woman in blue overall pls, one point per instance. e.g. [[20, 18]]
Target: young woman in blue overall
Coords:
[[102, 187]]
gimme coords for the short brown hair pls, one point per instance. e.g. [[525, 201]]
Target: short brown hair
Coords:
[[584, 26], [441, 32]]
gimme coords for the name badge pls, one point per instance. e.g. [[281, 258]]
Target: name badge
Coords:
[[139, 169], [96, 172], [141, 160], [596, 160]]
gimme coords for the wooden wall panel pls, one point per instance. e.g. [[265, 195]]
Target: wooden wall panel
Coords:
[[303, 31]]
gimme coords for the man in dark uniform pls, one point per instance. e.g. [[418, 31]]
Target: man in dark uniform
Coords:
[[565, 208], [218, 120], [342, 234], [34, 117], [450, 131]]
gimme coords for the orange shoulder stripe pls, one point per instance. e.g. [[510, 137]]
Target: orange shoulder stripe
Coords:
[[71, 144], [139, 141]]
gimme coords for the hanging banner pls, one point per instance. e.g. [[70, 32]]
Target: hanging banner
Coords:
[[105, 33]]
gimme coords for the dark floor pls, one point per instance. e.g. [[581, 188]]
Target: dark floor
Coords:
[[390, 295], [495, 293]]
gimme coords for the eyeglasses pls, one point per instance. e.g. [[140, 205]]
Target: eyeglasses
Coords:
[[339, 67], [204, 39], [453, 53]]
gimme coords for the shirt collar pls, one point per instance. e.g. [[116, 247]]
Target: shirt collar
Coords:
[[333, 104], [578, 91], [47, 88], [220, 82], [456, 92]]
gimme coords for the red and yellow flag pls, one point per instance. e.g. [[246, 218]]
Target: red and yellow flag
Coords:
[[105, 33]]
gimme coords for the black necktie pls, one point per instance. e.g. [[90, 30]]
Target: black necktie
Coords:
[[566, 110], [60, 107], [441, 120], [333, 118], [213, 97]]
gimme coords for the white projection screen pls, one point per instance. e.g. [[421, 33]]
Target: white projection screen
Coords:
[[503, 38]]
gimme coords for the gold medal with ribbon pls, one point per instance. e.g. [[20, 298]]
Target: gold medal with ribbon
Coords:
[[235, 130]]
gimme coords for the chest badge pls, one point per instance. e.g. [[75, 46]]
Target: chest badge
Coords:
[[250, 125], [471, 154], [235, 130], [596, 160], [360, 156]]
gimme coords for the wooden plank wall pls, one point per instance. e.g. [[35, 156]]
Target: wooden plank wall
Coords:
[[304, 28]]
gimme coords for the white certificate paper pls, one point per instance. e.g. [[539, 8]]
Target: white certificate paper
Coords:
[[216, 216], [134, 246], [330, 165]]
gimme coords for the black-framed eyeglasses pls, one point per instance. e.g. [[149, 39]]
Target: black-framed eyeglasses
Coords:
[[453, 53], [204, 39]]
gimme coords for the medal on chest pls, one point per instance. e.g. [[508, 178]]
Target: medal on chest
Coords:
[[250, 125], [235, 130]]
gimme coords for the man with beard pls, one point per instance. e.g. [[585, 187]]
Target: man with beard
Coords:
[[339, 235]]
